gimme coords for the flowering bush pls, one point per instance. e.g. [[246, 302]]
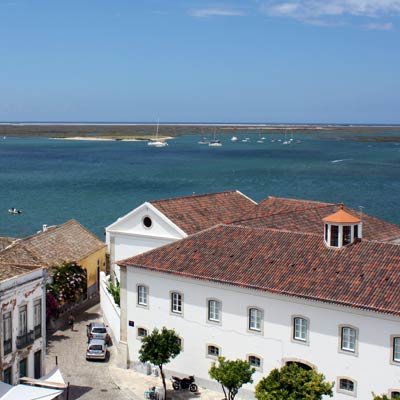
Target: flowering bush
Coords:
[[69, 283], [51, 306]]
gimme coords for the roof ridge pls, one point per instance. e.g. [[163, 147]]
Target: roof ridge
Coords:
[[298, 200], [197, 195]]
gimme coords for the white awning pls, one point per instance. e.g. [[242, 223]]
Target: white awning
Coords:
[[53, 380], [25, 392]]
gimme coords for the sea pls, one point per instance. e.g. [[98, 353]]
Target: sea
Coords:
[[96, 182]]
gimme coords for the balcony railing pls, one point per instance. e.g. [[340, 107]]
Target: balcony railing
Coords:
[[7, 346], [25, 340], [38, 331]]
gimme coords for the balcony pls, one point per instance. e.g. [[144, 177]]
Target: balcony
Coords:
[[7, 346], [38, 331], [25, 340]]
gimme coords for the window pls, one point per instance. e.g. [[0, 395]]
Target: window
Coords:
[[346, 384], [346, 235], [143, 294], [255, 317], [300, 329], [326, 232], [147, 222], [22, 328], [23, 368], [37, 362], [7, 333], [214, 308], [396, 349], [348, 339], [37, 316], [176, 302], [395, 394], [141, 332], [254, 361], [7, 376], [213, 351], [334, 235], [355, 231]]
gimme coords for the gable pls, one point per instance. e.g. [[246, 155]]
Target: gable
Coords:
[[133, 223]]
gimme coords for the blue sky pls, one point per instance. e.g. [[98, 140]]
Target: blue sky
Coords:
[[258, 61]]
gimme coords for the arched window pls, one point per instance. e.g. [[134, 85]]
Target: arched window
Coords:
[[213, 351], [254, 361], [141, 332], [347, 385]]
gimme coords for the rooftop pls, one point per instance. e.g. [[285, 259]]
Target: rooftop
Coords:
[[364, 275], [8, 271], [307, 217], [198, 212], [56, 245]]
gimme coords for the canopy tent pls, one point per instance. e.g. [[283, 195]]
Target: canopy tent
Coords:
[[46, 388]]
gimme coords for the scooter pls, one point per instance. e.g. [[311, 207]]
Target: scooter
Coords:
[[185, 383]]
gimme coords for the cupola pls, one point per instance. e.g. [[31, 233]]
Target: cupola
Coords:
[[342, 229]]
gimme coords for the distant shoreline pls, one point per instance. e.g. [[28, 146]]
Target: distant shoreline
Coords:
[[106, 139]]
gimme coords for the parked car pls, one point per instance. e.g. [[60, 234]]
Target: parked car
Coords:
[[97, 330], [96, 350]]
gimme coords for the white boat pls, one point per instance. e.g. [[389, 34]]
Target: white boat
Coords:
[[203, 141], [234, 139], [156, 142], [246, 140], [215, 143], [13, 210]]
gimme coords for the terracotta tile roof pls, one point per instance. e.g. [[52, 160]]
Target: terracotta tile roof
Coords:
[[195, 213], [364, 275], [341, 217], [307, 217], [67, 242], [8, 271], [5, 242]]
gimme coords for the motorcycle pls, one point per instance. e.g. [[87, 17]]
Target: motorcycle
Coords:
[[184, 383]]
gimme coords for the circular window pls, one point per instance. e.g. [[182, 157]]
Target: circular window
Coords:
[[147, 222]]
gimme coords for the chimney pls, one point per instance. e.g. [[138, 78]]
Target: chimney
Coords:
[[44, 228]]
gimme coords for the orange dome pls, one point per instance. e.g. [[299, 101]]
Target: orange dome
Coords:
[[341, 217]]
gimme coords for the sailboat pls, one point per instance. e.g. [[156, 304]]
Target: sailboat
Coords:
[[215, 142], [156, 142], [286, 140], [260, 139]]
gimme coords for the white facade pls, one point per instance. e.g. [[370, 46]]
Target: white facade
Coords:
[[370, 366], [129, 236], [23, 318]]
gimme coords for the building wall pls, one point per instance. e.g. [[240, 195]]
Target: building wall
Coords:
[[110, 310], [17, 292], [370, 368], [91, 263]]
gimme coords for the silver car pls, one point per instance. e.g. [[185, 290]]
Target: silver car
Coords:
[[97, 330], [96, 350]]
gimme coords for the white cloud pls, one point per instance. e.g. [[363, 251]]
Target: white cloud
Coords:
[[215, 12], [309, 9], [384, 26]]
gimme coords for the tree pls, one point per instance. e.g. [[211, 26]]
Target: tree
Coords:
[[232, 375], [292, 382], [384, 396], [160, 348]]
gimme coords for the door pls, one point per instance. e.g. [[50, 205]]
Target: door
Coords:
[[38, 364], [23, 368]]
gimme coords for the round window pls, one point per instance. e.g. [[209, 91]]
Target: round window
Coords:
[[147, 222]]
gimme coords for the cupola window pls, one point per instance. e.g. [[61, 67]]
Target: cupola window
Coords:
[[341, 229]]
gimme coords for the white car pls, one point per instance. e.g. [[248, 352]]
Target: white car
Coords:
[[96, 350]]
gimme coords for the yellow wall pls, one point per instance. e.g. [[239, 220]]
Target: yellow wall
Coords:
[[90, 264]]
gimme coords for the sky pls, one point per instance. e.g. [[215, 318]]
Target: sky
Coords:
[[290, 61]]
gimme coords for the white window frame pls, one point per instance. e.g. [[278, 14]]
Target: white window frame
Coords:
[[208, 355], [345, 391], [142, 295], [258, 326], [396, 349], [214, 313], [303, 337], [345, 338], [258, 368], [176, 302]]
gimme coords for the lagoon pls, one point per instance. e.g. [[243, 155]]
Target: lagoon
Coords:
[[96, 182]]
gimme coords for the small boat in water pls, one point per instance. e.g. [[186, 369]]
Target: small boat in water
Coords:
[[203, 141], [234, 139], [246, 140], [215, 143], [13, 210], [156, 142]]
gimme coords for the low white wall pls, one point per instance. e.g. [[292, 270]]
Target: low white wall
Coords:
[[111, 312]]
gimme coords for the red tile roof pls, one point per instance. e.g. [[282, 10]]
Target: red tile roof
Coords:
[[307, 217], [8, 271], [195, 213], [364, 275], [67, 242]]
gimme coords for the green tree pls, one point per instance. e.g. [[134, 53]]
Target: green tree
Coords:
[[383, 397], [159, 348], [115, 291], [232, 375], [292, 382]]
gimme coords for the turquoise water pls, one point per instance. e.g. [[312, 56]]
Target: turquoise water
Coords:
[[97, 182]]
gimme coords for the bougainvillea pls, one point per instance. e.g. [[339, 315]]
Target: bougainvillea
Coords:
[[51, 306], [69, 283]]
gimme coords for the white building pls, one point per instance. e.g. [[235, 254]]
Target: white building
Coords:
[[296, 281], [157, 223], [23, 316]]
